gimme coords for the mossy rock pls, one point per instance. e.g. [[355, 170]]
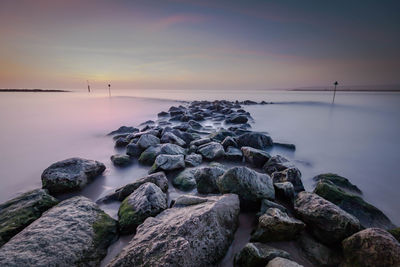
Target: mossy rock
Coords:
[[396, 233], [185, 180], [339, 181]]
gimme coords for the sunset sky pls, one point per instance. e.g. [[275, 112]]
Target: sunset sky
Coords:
[[198, 44]]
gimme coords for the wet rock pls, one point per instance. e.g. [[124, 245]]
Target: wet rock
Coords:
[[371, 247], [122, 142], [257, 255], [201, 141], [237, 119], [22, 210], [168, 163], [233, 154], [250, 185], [285, 145], [185, 180], [395, 232], [169, 137], [367, 214], [221, 135], [282, 262], [148, 122], [188, 200], [196, 235], [254, 156], [146, 201], [172, 149], [339, 181], [121, 193], [73, 233], [206, 178], [277, 164], [229, 141], [133, 150], [266, 204], [193, 160], [162, 114], [70, 175], [195, 125], [255, 140], [147, 140], [124, 129], [292, 175], [121, 160], [211, 151], [327, 222], [185, 136], [285, 191], [276, 225], [148, 156]]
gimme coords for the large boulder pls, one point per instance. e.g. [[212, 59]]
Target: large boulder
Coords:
[[284, 191], [206, 179], [282, 262], [250, 185], [255, 156], [124, 129], [200, 141], [292, 175], [121, 193], [121, 160], [147, 140], [221, 135], [188, 200], [327, 222], [371, 247], [146, 201], [233, 154], [148, 156], [185, 180], [76, 232], [194, 235], [277, 164], [266, 204], [193, 160], [237, 119], [339, 181], [255, 140], [211, 151], [70, 174], [257, 255], [133, 150], [172, 149], [22, 210], [169, 137], [168, 163], [395, 232], [229, 141], [276, 225]]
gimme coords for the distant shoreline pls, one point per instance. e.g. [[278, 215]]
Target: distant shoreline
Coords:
[[34, 90], [345, 90]]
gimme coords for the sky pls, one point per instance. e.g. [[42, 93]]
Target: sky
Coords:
[[177, 44]]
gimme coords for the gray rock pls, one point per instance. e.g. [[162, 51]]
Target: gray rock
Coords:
[[195, 125], [188, 200], [206, 179], [196, 235], [237, 119], [73, 233], [339, 181], [200, 142], [121, 160], [124, 129], [292, 175], [185, 180], [221, 135], [70, 174], [148, 156], [282, 262], [133, 150], [121, 193], [22, 210], [211, 151], [255, 140], [266, 204], [250, 185], [193, 160], [276, 225], [172, 149], [284, 191], [168, 163], [146, 201], [257, 254], [229, 141], [122, 142], [255, 156], [147, 140], [328, 223], [169, 137], [277, 164], [233, 154]]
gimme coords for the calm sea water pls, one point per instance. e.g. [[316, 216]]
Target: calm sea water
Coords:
[[357, 137]]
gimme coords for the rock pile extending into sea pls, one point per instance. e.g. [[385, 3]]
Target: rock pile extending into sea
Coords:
[[220, 169]]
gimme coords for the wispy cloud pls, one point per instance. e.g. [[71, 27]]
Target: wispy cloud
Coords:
[[177, 19]]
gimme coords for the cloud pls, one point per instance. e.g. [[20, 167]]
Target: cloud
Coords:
[[177, 19]]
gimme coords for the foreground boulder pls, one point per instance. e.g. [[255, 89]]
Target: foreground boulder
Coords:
[[282, 262], [70, 174], [195, 235], [73, 233], [254, 156], [168, 163], [250, 185], [19, 212], [206, 179], [193, 160], [185, 180], [255, 140], [148, 200], [339, 181], [328, 223], [395, 232], [292, 175], [211, 151], [371, 247], [257, 254]]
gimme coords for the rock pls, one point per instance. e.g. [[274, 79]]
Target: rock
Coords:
[[395, 232], [193, 160], [250, 185], [285, 145], [292, 175], [206, 178], [237, 119], [124, 129], [257, 254], [285, 191], [122, 142], [169, 137], [188, 200], [229, 141], [367, 214], [282, 262], [168, 163], [147, 140], [172, 149], [266, 204], [276, 225], [255, 140], [148, 122], [121, 160], [277, 164], [185, 136], [211, 151], [220, 135], [70, 174], [121, 193], [339, 181], [195, 125], [233, 154], [318, 253], [254, 156], [327, 222], [371, 247], [146, 201], [22, 210], [162, 114], [200, 142], [185, 180], [133, 150], [148, 156], [73, 233], [196, 235]]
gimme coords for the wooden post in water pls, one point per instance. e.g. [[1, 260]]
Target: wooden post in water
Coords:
[[109, 90], [88, 86], [334, 92]]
